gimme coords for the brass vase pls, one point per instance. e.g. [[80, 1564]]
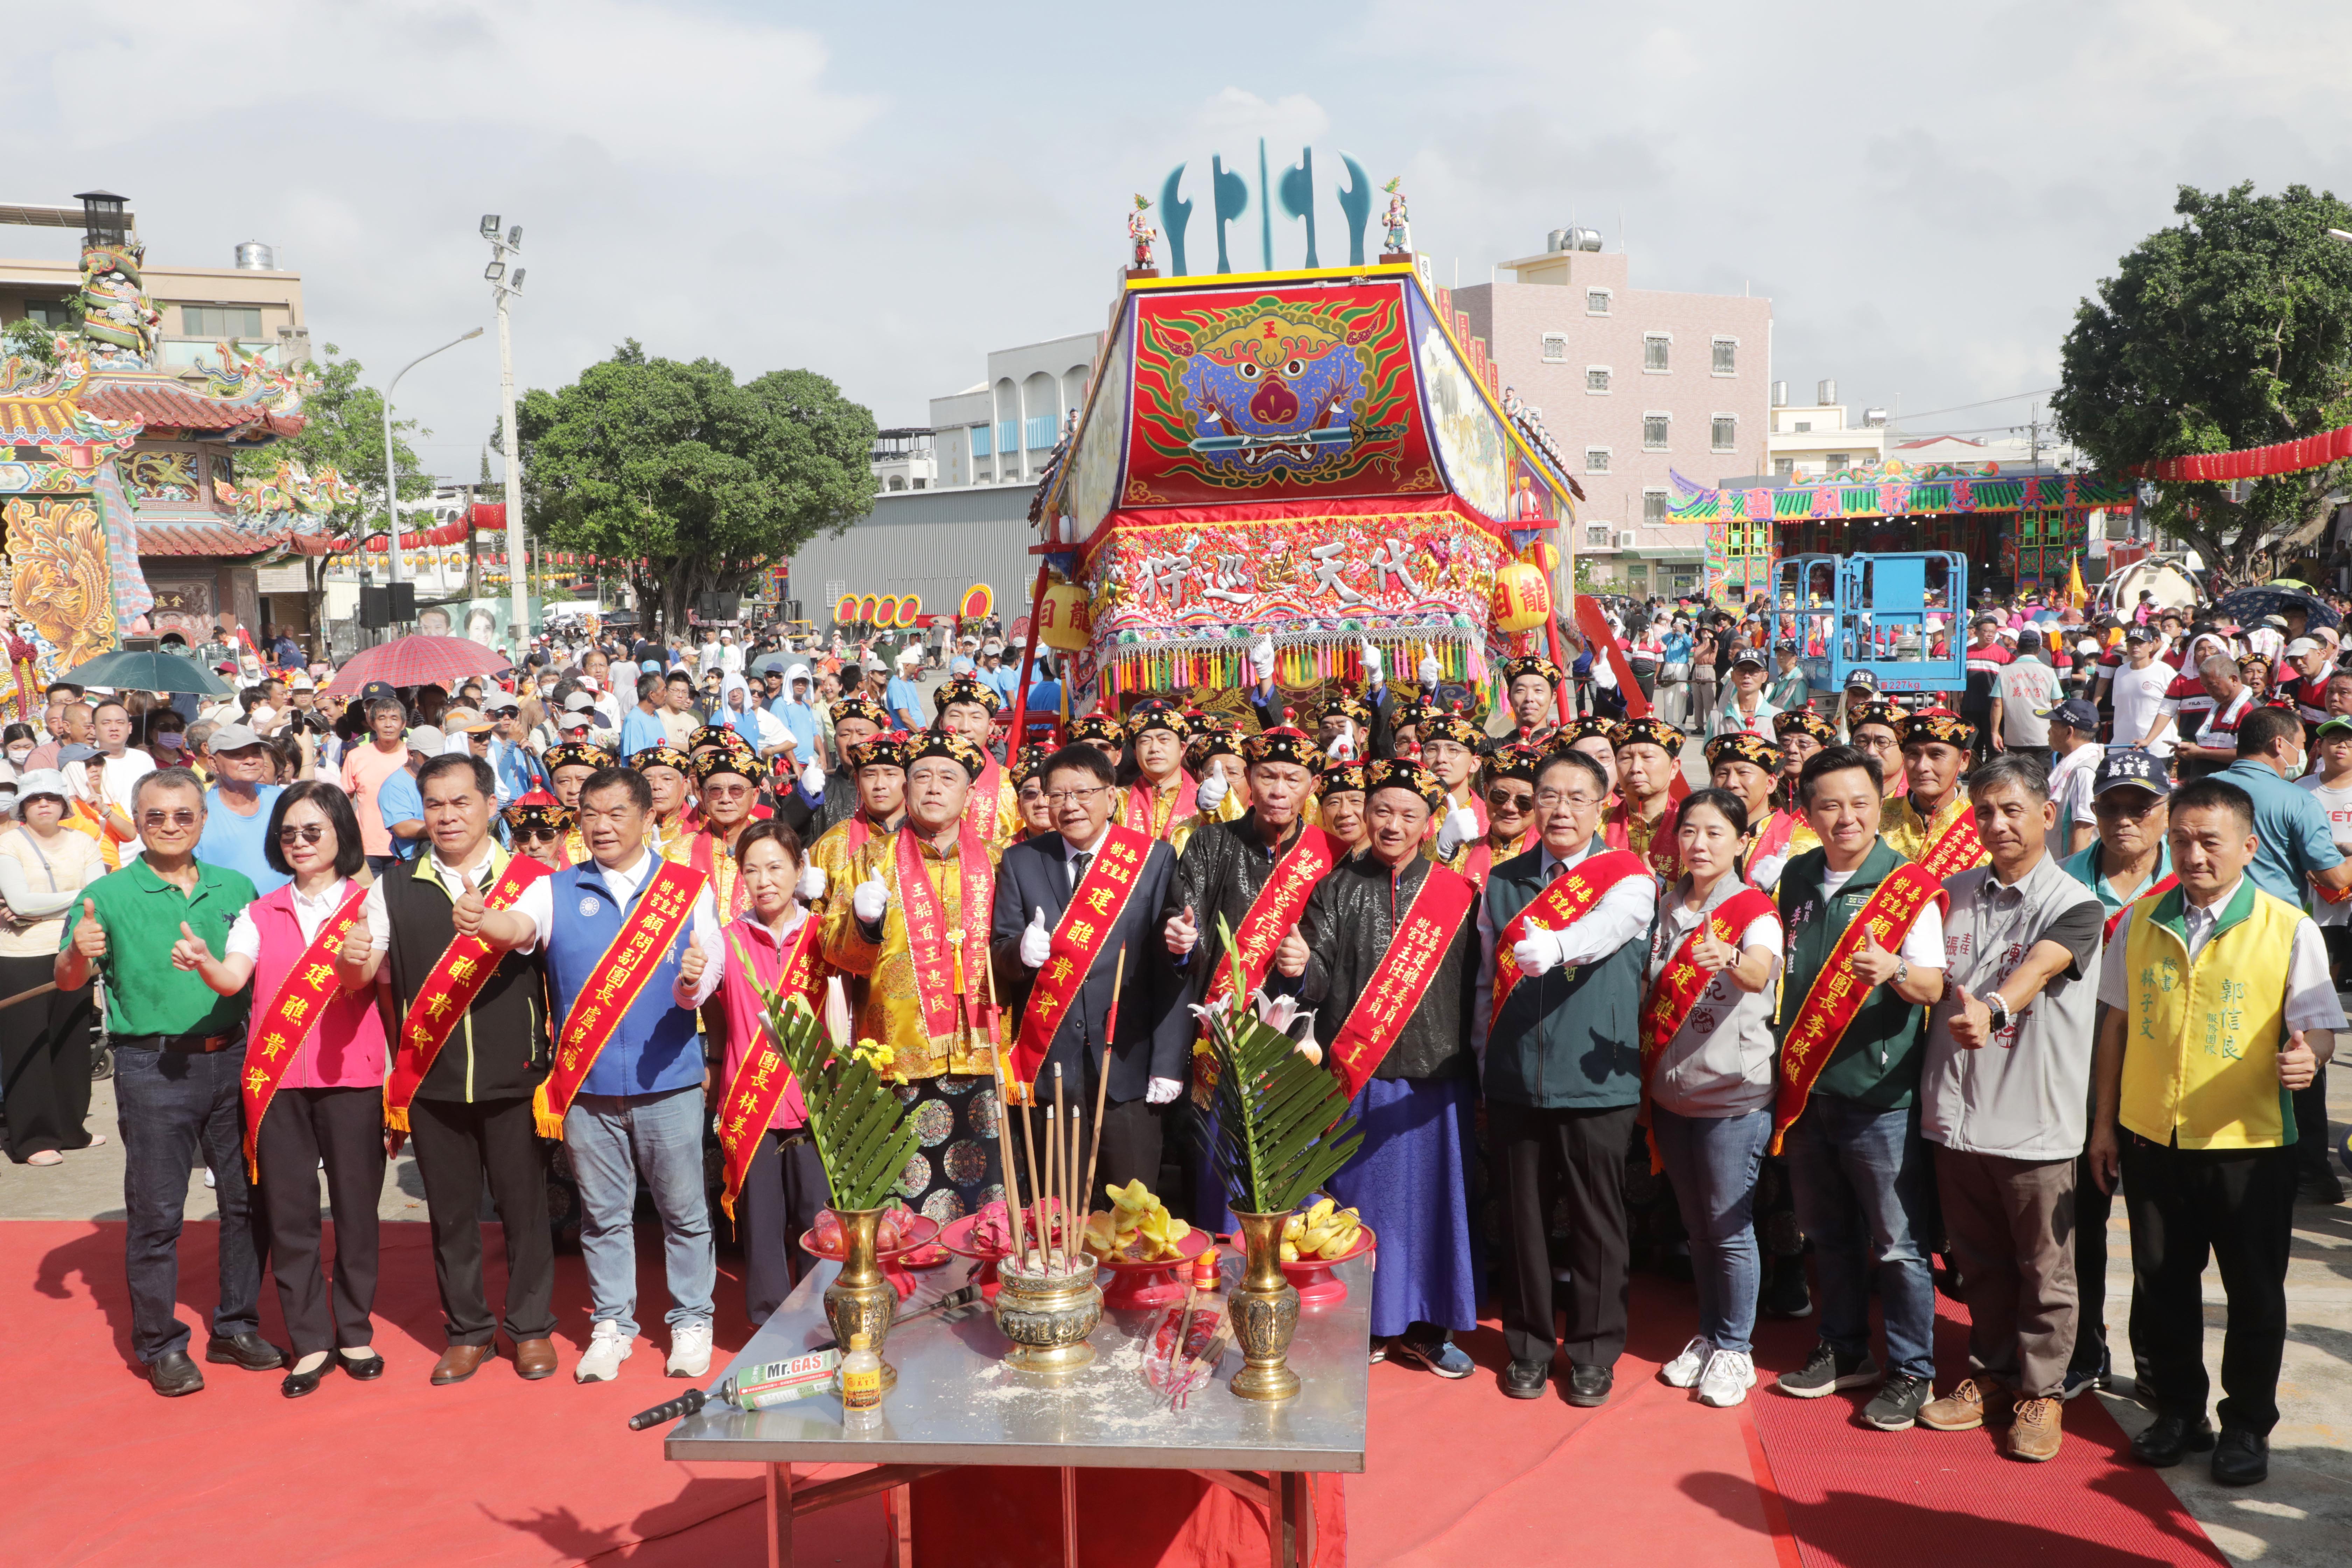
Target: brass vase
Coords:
[[860, 1301], [1265, 1312]]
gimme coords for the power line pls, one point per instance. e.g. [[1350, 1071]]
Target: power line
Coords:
[[1988, 403]]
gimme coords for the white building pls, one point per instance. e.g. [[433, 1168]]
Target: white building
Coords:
[[1001, 430], [1810, 443], [903, 460]]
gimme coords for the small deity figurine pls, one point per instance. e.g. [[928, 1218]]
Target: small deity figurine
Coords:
[[1396, 223], [1140, 235]]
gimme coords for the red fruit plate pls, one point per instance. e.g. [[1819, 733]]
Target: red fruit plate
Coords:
[[958, 1239], [1317, 1286], [1139, 1283], [917, 1248]]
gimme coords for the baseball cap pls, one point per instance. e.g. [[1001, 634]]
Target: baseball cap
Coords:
[[577, 719], [465, 720], [302, 683], [1786, 644], [2143, 632], [425, 738], [2074, 713], [2302, 646], [67, 754], [502, 703], [579, 702], [1747, 655], [650, 667], [1864, 678], [235, 738], [2028, 637], [375, 689], [2278, 621], [2338, 722], [874, 663], [2128, 766]]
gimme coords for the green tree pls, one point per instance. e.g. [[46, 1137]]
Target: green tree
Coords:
[[26, 339], [2231, 329], [696, 481]]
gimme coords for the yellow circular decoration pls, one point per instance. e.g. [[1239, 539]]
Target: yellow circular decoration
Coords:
[[1065, 621], [1522, 598]]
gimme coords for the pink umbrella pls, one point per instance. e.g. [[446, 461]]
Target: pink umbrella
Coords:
[[418, 661]]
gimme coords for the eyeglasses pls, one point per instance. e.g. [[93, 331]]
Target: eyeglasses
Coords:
[[1056, 797], [167, 819], [1575, 800], [304, 833], [1512, 799]]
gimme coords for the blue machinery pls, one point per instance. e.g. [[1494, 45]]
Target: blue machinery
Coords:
[[1884, 614]]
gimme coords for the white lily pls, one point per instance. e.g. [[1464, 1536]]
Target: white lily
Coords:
[[1279, 1013]]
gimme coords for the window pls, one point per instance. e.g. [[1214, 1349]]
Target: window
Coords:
[[1725, 430], [1555, 348], [1599, 536], [1784, 468], [48, 314], [1596, 302], [1839, 462], [1596, 379], [1596, 459], [921, 483], [979, 448], [1727, 356], [1804, 426], [1655, 429], [1656, 351], [898, 482], [220, 320], [1654, 506], [1008, 436]]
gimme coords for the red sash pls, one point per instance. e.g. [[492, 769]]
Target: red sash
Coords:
[[1143, 804], [664, 906], [1956, 849], [464, 968], [2164, 884], [704, 853], [1393, 993], [946, 960], [1571, 896], [1079, 938], [1682, 983], [291, 1018], [981, 810], [1479, 863], [1273, 912], [1837, 993], [762, 1077]]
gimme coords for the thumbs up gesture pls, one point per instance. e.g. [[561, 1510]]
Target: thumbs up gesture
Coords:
[[1213, 788], [2298, 1065], [1183, 933], [1373, 672], [1460, 826], [189, 953], [90, 937], [467, 913], [1291, 954], [1036, 943], [810, 886], [1538, 951], [690, 967], [358, 946], [1873, 962], [1711, 953], [872, 899]]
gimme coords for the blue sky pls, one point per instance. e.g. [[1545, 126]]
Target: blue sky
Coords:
[[884, 194]]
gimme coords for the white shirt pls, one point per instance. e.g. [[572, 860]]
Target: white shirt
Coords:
[[2138, 697], [1622, 915], [1923, 947], [378, 919], [731, 657], [2310, 993], [2070, 787], [310, 914], [122, 774], [536, 905], [1070, 853]]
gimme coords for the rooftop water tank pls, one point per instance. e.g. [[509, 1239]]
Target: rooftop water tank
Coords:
[[255, 256]]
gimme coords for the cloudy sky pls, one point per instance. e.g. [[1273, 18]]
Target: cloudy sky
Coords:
[[884, 194]]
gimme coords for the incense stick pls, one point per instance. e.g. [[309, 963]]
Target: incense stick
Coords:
[[1053, 1183], [1102, 1081], [1011, 1184], [1028, 1143]]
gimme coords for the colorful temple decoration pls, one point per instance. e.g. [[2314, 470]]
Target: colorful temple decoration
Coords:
[[1322, 457], [108, 449]]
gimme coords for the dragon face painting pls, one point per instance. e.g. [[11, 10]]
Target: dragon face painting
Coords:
[[1271, 388]]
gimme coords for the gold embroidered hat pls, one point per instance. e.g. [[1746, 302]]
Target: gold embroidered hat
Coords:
[[1283, 743], [1096, 727], [1398, 772], [1209, 740], [1515, 759], [1648, 731], [857, 705], [576, 754], [539, 810], [662, 756], [1532, 664], [955, 747], [1339, 778], [1155, 713], [1886, 715], [1744, 748], [887, 750], [1938, 724], [964, 689], [741, 760], [1798, 720], [1443, 726]]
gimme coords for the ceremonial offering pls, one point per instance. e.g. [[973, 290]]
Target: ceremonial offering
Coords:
[[987, 1238], [1141, 1244], [1047, 1311], [912, 1243], [1313, 1242]]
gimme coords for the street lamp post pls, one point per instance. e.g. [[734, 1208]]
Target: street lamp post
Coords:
[[505, 287], [391, 472]]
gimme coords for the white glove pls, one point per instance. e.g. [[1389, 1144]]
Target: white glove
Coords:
[[1036, 943], [1373, 674], [810, 886], [813, 780], [1213, 790], [1162, 1091], [1430, 672], [1262, 658], [1540, 950], [1460, 826], [871, 901], [1342, 748]]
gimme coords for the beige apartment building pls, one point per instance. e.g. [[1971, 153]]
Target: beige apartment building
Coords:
[[1634, 384]]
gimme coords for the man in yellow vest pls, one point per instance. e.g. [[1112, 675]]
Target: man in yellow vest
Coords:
[[2222, 1007]]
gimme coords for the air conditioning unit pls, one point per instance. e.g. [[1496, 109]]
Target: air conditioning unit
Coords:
[[1625, 539]]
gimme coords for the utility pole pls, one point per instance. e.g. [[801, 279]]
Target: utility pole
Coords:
[[504, 288], [391, 474]]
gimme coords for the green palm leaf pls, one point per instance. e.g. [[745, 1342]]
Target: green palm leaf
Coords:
[[1282, 1128], [862, 1136]]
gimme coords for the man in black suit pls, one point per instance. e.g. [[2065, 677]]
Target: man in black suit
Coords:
[[1033, 941]]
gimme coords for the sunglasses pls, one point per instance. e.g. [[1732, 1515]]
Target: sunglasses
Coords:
[[306, 833], [534, 835], [168, 819]]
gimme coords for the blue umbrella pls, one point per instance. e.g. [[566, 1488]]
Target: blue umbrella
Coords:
[[148, 669], [2247, 605]]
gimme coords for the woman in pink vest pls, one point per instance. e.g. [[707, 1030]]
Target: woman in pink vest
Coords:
[[327, 1104], [784, 1185]]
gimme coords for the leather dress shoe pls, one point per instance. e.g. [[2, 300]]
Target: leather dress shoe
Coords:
[[1525, 1379], [2167, 1438], [173, 1375], [366, 1368], [2241, 1459], [458, 1363], [248, 1350], [1590, 1385], [298, 1383], [535, 1358]]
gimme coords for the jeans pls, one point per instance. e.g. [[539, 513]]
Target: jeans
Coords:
[[1712, 1162], [172, 1105], [611, 1138], [1861, 1177]]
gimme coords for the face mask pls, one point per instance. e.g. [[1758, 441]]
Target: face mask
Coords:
[[18, 754]]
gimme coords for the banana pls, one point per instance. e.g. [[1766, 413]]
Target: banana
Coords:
[[1294, 1227], [1313, 1238], [1289, 1252], [1321, 1213]]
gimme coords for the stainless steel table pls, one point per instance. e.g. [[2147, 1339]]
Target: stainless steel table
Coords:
[[956, 1403]]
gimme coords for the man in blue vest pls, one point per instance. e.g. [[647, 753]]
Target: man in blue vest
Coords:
[[640, 1108]]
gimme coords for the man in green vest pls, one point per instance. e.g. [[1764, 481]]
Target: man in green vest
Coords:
[[2221, 1008], [1855, 1159]]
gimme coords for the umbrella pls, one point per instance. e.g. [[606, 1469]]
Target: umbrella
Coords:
[[417, 661], [148, 670], [2245, 606]]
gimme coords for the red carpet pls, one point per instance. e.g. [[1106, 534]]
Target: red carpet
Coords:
[[498, 1471]]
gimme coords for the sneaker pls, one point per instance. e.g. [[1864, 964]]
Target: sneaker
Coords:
[[1785, 1294], [1684, 1370], [608, 1347], [1965, 1408], [2079, 1379], [689, 1350], [1728, 1377], [1826, 1371], [1896, 1406], [1443, 1357], [2037, 1434]]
